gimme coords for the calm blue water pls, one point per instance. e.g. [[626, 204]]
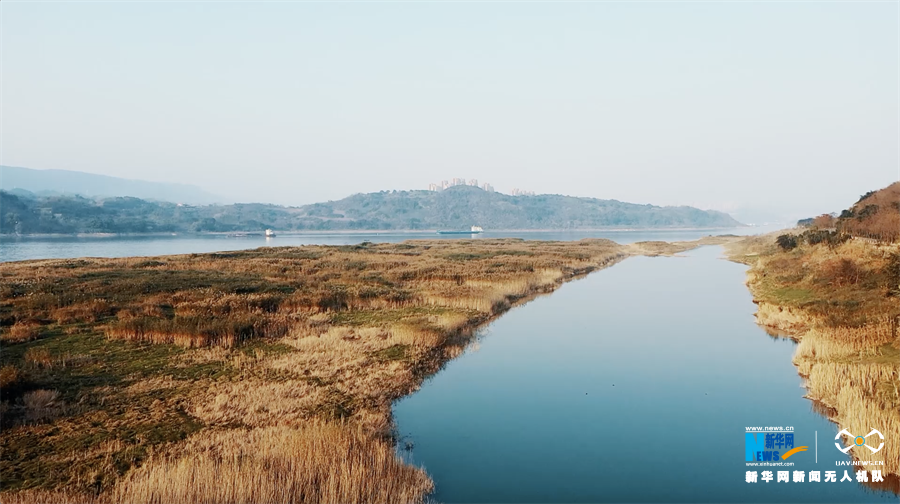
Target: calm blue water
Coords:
[[22, 248], [634, 384]]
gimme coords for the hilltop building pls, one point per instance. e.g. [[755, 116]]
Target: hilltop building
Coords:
[[474, 183], [444, 184]]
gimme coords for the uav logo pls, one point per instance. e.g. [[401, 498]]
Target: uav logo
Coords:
[[858, 441]]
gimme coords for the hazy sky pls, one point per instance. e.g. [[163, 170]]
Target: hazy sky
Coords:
[[733, 106]]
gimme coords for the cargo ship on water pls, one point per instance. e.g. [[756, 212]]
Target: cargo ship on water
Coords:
[[474, 230]]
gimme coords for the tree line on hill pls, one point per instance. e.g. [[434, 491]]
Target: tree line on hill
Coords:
[[876, 216], [459, 208]]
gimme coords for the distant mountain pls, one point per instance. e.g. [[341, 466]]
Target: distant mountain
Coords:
[[455, 208], [65, 182], [462, 206]]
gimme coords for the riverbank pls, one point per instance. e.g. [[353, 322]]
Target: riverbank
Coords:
[[838, 298], [142, 379]]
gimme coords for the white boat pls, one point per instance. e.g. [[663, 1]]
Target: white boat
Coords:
[[270, 233], [474, 230]]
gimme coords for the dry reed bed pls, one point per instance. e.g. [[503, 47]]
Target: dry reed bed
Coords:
[[846, 326], [277, 366], [314, 463]]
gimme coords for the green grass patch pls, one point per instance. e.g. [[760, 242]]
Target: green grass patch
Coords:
[[790, 295], [473, 256], [91, 374], [392, 353], [884, 354], [376, 318], [251, 347]]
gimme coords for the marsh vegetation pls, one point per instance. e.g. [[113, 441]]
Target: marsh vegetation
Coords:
[[148, 379], [837, 294]]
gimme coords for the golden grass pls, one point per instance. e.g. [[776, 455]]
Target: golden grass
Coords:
[[257, 403], [748, 249], [661, 248], [785, 319], [835, 343], [36, 496], [864, 397], [317, 463], [38, 357], [86, 312], [21, 331], [9, 375]]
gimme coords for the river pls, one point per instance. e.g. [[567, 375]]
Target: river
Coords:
[[634, 384]]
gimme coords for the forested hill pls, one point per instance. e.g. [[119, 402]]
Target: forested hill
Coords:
[[876, 215], [463, 206], [455, 208]]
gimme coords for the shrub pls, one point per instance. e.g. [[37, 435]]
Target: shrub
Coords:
[[9, 376], [65, 315], [830, 238], [336, 300], [867, 211], [843, 272], [41, 405], [84, 312], [786, 242], [149, 264], [865, 196], [815, 237], [21, 331], [39, 357], [891, 271], [198, 331], [837, 238], [823, 221]]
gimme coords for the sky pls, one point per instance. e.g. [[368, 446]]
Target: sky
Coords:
[[765, 110]]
